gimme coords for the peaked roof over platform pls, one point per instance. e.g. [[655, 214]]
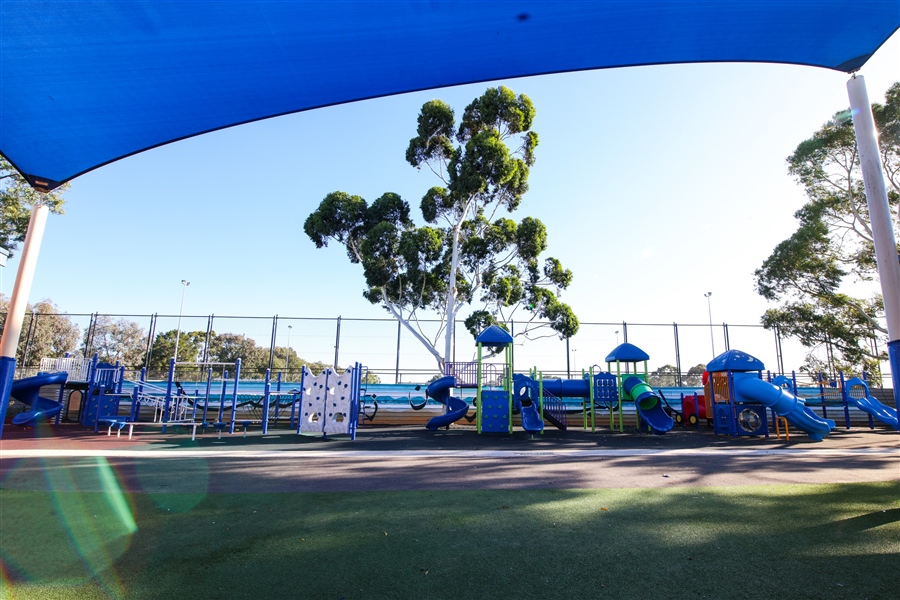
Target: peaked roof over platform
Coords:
[[627, 353], [83, 84], [734, 360], [495, 337]]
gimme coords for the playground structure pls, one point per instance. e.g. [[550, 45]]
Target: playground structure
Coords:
[[844, 394], [328, 403], [41, 408], [737, 400], [502, 393]]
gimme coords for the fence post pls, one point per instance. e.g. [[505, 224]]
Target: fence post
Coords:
[[29, 338], [272, 342], [151, 333], [209, 330], [779, 358], [89, 335], [727, 341], [624, 332], [337, 343], [677, 356], [397, 368]]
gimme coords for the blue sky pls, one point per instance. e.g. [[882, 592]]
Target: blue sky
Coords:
[[657, 184]]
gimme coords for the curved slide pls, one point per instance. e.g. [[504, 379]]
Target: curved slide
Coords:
[[27, 391], [785, 404], [531, 416], [456, 408], [870, 405], [649, 405]]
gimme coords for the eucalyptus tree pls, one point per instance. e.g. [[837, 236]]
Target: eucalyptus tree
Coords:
[[46, 332], [118, 340], [470, 252], [817, 274]]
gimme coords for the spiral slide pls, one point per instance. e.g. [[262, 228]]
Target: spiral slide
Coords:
[[27, 390], [456, 408], [870, 405], [649, 405], [785, 404]]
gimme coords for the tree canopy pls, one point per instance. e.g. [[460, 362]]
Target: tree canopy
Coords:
[[819, 273], [468, 252], [46, 332], [16, 200]]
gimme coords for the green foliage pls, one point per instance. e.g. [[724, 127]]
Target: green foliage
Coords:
[[665, 376], [694, 377], [16, 200], [190, 349], [118, 340], [811, 274], [467, 254], [46, 332]]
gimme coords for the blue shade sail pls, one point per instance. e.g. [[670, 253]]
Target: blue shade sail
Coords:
[[86, 83]]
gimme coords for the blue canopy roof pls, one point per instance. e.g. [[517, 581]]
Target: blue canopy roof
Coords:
[[494, 336], [734, 360], [86, 83], [627, 353]]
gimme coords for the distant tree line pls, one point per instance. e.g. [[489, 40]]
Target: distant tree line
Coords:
[[49, 333]]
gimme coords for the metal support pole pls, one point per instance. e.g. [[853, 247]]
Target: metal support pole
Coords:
[[677, 356], [209, 332], [337, 344], [12, 327], [882, 221], [272, 343], [568, 369], [151, 333]]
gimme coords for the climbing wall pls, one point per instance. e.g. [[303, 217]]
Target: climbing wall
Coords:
[[312, 411], [495, 411], [337, 402]]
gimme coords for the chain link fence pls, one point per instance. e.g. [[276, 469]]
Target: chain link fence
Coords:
[[388, 348]]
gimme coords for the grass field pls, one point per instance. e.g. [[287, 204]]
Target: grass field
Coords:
[[802, 541]]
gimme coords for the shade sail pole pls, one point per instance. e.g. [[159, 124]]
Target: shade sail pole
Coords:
[[882, 221], [12, 328]]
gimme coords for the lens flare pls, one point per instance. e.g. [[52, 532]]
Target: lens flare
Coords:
[[67, 522]]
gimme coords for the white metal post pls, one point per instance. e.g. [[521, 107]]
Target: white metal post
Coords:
[[880, 217], [12, 328]]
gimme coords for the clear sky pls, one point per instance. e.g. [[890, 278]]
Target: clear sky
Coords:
[[657, 184]]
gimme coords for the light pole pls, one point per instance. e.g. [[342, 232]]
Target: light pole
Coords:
[[287, 354], [617, 338], [185, 283], [574, 359], [709, 308]]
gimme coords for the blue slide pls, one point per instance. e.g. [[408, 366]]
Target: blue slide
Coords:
[[456, 408], [649, 405], [531, 416], [870, 405], [785, 404], [27, 390]]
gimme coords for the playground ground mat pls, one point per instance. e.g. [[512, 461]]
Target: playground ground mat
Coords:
[[403, 513]]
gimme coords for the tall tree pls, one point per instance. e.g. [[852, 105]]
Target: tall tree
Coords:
[[190, 348], [817, 273], [16, 201], [470, 253], [46, 332], [118, 340], [228, 347]]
